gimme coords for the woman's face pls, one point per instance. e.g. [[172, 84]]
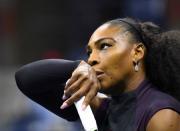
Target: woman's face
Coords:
[[110, 54]]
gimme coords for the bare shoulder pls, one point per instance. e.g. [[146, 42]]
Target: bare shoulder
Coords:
[[164, 120]]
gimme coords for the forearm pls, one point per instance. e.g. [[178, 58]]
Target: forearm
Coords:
[[40, 75], [43, 81]]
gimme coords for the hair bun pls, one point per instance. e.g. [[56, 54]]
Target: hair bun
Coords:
[[150, 28], [149, 32]]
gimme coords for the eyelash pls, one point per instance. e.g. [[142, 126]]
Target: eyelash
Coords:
[[103, 45], [89, 52]]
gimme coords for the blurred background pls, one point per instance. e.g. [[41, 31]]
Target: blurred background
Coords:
[[38, 29]]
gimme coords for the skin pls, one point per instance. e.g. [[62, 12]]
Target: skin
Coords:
[[164, 120], [111, 58], [114, 56], [110, 53]]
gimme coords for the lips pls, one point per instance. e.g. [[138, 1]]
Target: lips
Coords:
[[99, 73]]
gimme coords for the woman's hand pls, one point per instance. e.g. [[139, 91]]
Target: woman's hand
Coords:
[[83, 82]]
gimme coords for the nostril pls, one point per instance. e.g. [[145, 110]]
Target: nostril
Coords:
[[93, 63]]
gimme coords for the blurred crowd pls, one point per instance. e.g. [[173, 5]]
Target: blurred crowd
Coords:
[[38, 29]]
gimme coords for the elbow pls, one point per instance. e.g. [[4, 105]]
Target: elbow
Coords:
[[21, 79]]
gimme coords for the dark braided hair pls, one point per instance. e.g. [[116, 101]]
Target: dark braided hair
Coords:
[[162, 60]]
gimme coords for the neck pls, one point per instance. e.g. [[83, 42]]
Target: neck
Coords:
[[134, 81]]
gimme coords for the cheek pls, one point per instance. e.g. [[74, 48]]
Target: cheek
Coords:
[[117, 65]]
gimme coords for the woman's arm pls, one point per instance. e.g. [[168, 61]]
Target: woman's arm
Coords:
[[43, 81], [164, 120]]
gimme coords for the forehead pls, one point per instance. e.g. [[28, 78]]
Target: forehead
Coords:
[[105, 31]]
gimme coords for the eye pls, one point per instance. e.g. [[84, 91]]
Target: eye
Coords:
[[104, 46], [89, 52]]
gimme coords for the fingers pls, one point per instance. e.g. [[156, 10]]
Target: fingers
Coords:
[[73, 87], [81, 70], [89, 96], [83, 82], [76, 96], [89, 91], [71, 80], [78, 76]]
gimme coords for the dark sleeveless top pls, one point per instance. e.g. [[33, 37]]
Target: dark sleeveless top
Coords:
[[43, 82], [132, 111]]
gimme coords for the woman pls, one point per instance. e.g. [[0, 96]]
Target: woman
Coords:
[[134, 63]]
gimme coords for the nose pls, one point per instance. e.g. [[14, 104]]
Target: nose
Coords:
[[93, 58]]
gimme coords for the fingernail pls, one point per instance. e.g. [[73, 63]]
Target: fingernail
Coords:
[[64, 105], [83, 107], [64, 97], [67, 81]]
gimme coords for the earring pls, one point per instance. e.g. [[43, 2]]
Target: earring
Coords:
[[136, 66]]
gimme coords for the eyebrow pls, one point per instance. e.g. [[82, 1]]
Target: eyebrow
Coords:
[[99, 40]]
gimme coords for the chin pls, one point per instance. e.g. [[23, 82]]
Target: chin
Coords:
[[106, 90], [110, 89]]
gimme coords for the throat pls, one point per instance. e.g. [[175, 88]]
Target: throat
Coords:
[[134, 82]]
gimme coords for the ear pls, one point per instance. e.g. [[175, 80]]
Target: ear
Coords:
[[138, 52]]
